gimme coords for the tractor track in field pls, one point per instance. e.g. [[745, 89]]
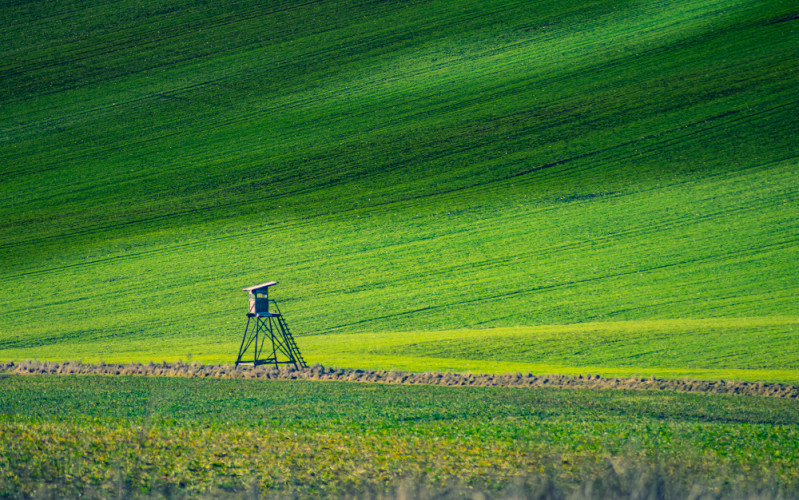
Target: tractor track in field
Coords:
[[449, 379]]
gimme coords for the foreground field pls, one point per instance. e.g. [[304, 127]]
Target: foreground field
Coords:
[[99, 435], [144, 435]]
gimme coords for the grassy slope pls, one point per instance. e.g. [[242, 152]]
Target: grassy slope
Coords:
[[399, 167]]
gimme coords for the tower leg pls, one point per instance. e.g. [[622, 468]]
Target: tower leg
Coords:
[[242, 347], [255, 347]]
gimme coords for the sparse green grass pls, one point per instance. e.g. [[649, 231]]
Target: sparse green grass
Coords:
[[399, 167], [150, 435]]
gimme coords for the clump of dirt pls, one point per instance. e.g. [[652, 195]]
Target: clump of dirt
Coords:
[[319, 372]]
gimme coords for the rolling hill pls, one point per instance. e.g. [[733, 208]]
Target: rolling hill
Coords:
[[404, 170]]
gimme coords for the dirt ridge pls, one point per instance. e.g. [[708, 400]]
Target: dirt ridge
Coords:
[[319, 372]]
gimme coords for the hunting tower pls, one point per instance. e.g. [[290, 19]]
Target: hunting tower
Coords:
[[267, 336]]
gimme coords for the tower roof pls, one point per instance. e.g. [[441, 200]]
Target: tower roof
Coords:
[[258, 288]]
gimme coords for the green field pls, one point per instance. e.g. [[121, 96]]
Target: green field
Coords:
[[435, 185], [101, 436], [571, 187]]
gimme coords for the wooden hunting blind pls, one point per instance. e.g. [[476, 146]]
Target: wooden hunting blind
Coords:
[[267, 335]]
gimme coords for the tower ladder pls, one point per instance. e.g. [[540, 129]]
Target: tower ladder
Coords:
[[290, 343]]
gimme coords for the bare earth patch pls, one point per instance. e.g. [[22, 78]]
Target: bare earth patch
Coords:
[[319, 372]]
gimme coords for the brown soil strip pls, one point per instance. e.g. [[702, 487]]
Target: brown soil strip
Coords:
[[319, 372]]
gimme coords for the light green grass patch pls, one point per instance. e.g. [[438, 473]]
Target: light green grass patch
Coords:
[[765, 349], [749, 349]]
